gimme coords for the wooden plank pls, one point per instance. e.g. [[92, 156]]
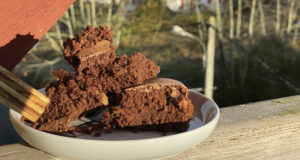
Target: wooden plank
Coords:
[[23, 23], [252, 111], [24, 152], [275, 137], [21, 97], [263, 130]]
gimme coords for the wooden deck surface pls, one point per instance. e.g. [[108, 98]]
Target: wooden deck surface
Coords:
[[263, 130]]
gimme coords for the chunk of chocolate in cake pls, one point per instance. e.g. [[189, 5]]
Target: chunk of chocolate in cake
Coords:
[[69, 100], [123, 72], [159, 104], [91, 49]]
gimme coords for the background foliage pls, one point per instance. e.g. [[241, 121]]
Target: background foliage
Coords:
[[248, 68]]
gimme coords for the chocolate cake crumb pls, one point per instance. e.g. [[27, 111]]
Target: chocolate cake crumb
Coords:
[[60, 74], [69, 100], [54, 126], [158, 104], [97, 134], [122, 73]]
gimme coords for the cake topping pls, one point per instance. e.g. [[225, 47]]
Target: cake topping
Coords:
[[85, 39], [99, 48]]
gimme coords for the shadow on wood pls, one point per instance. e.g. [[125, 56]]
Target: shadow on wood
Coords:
[[15, 50]]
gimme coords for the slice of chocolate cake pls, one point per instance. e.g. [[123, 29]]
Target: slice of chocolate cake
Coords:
[[90, 50], [92, 55], [159, 104], [122, 73], [69, 101]]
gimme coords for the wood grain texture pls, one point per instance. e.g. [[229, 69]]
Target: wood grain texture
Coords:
[[23, 23], [21, 97], [22, 151], [263, 130]]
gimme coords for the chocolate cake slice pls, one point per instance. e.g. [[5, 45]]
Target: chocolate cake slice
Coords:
[[92, 55], [69, 101], [90, 50], [159, 104], [123, 72]]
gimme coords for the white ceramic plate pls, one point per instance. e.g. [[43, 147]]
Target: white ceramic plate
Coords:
[[125, 144]]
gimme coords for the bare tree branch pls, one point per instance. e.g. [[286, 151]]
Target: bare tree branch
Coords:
[[53, 43], [93, 13], [290, 20], [58, 35], [278, 15], [239, 20], [72, 11], [262, 18], [219, 19], [109, 13], [68, 23], [252, 18], [88, 13], [200, 19], [81, 9], [296, 30], [231, 31], [158, 26], [118, 19]]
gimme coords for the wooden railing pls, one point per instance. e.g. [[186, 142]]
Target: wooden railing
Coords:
[[263, 130]]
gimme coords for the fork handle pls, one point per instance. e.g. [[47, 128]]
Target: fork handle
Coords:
[[21, 97]]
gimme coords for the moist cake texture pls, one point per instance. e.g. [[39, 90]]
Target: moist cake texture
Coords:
[[92, 55], [69, 100], [123, 72], [90, 49], [99, 78], [159, 104]]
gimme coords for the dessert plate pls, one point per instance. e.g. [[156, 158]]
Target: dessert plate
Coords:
[[125, 144]]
